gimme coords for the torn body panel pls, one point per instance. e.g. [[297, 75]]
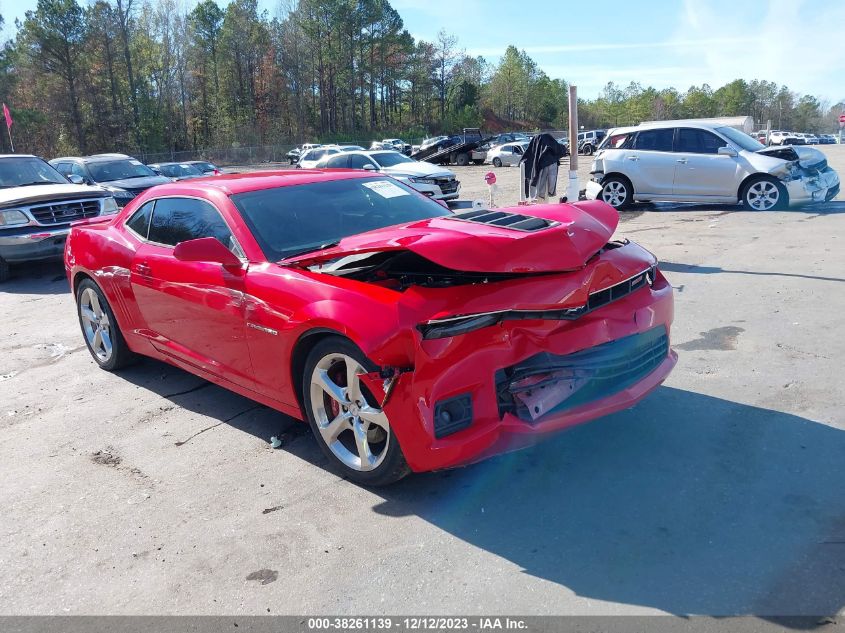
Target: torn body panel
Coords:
[[805, 174]]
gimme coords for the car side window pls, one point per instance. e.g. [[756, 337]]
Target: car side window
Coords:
[[694, 141], [655, 140], [181, 219], [140, 220], [357, 161], [63, 169], [79, 171], [338, 161]]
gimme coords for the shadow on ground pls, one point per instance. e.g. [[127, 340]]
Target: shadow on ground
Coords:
[[675, 267], [686, 503], [37, 278]]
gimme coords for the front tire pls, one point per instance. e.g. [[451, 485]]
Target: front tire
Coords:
[[617, 192], [588, 150], [100, 330], [347, 421], [764, 193]]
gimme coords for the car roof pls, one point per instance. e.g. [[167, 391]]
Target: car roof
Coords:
[[18, 156], [232, 184], [95, 158], [372, 152], [660, 125]]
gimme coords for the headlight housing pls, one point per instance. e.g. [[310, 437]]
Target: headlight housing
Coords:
[[109, 206], [423, 181], [13, 217]]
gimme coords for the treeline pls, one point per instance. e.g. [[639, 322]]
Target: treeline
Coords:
[[144, 76]]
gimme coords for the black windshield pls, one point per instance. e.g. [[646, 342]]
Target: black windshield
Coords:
[[105, 171], [296, 218]]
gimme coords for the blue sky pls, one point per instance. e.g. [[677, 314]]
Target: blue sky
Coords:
[[679, 43]]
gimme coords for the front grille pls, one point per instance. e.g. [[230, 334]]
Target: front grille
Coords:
[[64, 212], [590, 374], [513, 221], [603, 297], [460, 324], [447, 185]]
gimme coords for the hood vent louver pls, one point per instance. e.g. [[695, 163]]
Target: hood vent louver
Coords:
[[505, 220]]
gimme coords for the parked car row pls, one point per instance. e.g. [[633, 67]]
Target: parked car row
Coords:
[[40, 200], [780, 137]]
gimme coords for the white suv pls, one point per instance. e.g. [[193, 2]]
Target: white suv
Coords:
[[697, 161]]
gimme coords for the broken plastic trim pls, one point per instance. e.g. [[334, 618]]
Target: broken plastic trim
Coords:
[[461, 324]]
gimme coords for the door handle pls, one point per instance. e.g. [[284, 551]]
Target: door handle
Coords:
[[633, 158], [682, 161], [142, 269]]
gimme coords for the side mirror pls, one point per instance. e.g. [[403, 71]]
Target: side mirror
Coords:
[[206, 249], [726, 151], [369, 167], [76, 179]]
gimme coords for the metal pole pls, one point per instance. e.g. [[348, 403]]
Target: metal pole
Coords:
[[572, 188], [768, 130], [8, 129]]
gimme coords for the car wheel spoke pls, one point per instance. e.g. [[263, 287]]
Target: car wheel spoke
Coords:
[[371, 415], [334, 391], [363, 446], [332, 429], [87, 315], [95, 303], [353, 382], [105, 339]]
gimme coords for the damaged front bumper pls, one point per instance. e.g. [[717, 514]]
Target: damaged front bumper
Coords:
[[814, 187], [468, 396]]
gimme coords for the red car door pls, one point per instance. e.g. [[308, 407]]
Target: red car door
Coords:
[[194, 311]]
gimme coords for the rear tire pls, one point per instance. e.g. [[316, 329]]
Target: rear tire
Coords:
[[462, 159], [100, 330], [617, 192], [497, 162], [348, 423], [764, 193]]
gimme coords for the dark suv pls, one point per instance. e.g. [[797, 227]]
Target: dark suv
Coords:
[[121, 175]]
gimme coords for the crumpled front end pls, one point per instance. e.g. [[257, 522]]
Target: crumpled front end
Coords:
[[806, 186], [805, 174], [502, 382]]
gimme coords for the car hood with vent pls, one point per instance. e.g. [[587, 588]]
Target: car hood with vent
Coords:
[[569, 237]]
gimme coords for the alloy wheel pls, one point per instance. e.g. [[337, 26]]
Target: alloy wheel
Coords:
[[614, 193], [762, 195], [354, 428], [95, 325]]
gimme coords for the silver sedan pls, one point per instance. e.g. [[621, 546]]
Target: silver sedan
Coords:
[[507, 154]]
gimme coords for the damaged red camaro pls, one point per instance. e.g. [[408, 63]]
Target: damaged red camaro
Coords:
[[409, 337]]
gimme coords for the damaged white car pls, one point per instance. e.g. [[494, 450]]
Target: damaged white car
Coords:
[[698, 161]]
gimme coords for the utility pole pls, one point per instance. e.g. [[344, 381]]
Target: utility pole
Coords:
[[572, 188]]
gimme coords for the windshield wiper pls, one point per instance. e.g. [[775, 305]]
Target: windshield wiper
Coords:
[[310, 249]]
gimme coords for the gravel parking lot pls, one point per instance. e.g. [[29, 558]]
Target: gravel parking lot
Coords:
[[152, 491]]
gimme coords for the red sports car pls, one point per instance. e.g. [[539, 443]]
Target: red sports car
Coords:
[[409, 337]]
